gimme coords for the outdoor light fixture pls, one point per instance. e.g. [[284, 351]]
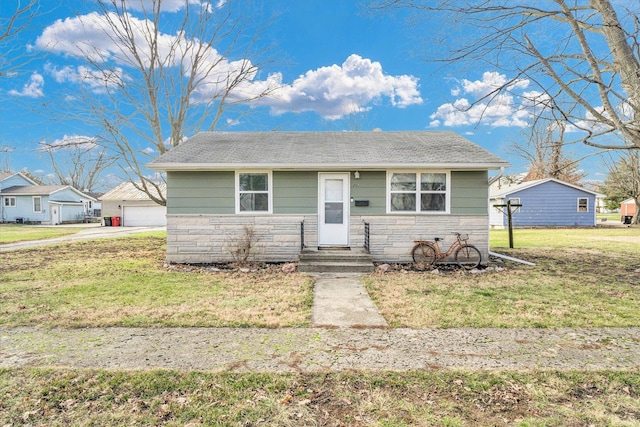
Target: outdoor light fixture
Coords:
[[356, 175]]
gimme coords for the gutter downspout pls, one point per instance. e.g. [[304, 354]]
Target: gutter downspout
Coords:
[[509, 258]]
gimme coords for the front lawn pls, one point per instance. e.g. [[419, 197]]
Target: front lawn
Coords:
[[582, 278], [123, 282], [11, 233]]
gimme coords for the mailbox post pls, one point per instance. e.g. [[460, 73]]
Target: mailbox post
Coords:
[[509, 212]]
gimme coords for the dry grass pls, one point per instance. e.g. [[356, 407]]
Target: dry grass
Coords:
[[10, 233], [437, 398], [123, 282], [582, 278]]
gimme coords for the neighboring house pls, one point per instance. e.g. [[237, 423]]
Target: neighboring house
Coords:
[[95, 208], [22, 200], [12, 179], [134, 207], [627, 209], [323, 189], [545, 203]]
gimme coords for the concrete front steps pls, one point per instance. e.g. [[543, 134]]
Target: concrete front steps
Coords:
[[354, 260]]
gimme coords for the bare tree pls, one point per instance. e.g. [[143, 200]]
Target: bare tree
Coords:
[[623, 180], [19, 16], [544, 150], [77, 161], [585, 50], [147, 90]]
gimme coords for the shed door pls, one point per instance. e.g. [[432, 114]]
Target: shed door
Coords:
[[333, 206]]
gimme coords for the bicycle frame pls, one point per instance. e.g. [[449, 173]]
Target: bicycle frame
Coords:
[[435, 244], [427, 252]]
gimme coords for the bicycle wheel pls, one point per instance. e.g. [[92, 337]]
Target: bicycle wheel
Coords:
[[424, 254], [468, 256]]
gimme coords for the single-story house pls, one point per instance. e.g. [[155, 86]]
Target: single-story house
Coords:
[[545, 203], [134, 207], [24, 201], [627, 209], [378, 190]]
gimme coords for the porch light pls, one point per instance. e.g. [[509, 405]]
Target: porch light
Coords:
[[356, 175]]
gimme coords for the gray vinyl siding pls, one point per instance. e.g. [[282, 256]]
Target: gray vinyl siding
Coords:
[[552, 205], [206, 193], [469, 192], [295, 192]]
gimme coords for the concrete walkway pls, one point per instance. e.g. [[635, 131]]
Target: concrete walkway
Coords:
[[321, 349], [340, 300]]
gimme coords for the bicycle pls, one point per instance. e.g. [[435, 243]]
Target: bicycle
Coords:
[[426, 252]]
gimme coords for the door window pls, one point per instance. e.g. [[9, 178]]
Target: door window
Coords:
[[334, 202]]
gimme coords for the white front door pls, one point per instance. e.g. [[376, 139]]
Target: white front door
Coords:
[[333, 207]]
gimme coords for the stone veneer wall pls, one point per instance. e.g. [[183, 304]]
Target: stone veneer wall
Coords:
[[203, 239], [392, 236]]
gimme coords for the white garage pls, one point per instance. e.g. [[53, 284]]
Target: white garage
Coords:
[[144, 216], [134, 207]]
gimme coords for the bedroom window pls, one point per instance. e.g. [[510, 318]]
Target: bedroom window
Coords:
[[583, 204], [9, 202], [418, 192], [253, 192], [37, 204]]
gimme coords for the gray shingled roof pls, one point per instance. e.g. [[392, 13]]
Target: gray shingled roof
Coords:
[[40, 190], [326, 150], [127, 191], [33, 190]]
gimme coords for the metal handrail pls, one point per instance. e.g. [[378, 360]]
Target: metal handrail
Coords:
[[302, 245], [367, 238]]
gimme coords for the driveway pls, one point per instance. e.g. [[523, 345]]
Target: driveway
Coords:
[[87, 232]]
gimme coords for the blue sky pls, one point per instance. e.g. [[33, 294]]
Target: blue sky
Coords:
[[331, 57]]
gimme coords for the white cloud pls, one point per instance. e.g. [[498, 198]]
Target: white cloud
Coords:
[[481, 101], [332, 91], [336, 91], [97, 81], [32, 89], [95, 37], [169, 5]]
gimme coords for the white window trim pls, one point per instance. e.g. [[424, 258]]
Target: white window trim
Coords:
[[33, 204], [269, 192], [578, 204], [418, 212], [10, 205]]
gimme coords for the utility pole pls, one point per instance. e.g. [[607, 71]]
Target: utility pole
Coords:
[[5, 158]]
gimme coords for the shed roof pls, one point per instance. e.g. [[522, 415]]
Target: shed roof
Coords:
[[496, 192], [326, 150], [127, 191]]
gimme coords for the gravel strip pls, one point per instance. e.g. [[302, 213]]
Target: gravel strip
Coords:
[[321, 349]]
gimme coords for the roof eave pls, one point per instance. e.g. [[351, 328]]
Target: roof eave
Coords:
[[177, 167]]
